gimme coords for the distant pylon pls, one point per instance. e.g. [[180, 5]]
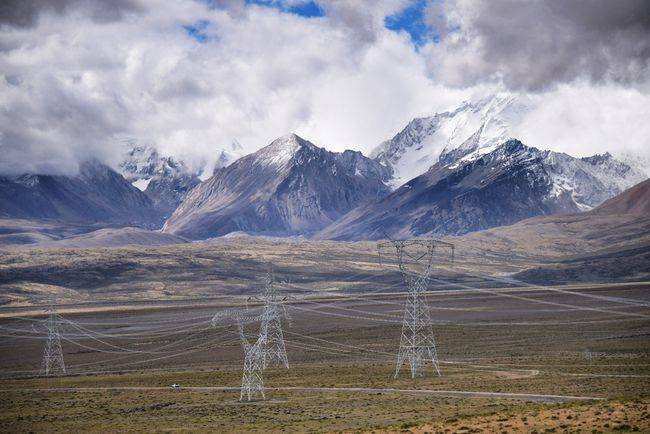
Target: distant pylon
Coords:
[[53, 354], [275, 353], [417, 344], [252, 383]]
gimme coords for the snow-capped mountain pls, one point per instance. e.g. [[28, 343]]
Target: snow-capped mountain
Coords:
[[637, 161], [139, 164], [288, 187], [164, 180], [473, 125], [489, 186], [96, 194], [590, 180]]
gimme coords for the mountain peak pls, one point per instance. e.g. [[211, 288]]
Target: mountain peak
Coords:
[[292, 140], [449, 135], [280, 151], [236, 146], [493, 102], [289, 187]]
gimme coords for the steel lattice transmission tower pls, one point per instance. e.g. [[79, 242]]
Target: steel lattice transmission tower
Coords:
[[275, 353], [417, 343], [252, 383], [53, 354], [269, 348]]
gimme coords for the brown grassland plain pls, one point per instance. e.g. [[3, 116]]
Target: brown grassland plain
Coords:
[[487, 342]]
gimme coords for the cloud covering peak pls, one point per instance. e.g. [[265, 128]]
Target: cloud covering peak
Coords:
[[81, 76]]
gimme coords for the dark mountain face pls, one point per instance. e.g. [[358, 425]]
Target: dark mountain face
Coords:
[[503, 186], [96, 194], [289, 187], [168, 189]]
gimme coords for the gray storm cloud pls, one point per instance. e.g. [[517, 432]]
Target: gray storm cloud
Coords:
[[25, 13], [536, 44]]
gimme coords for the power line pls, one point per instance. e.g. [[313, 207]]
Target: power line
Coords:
[[512, 281], [547, 302]]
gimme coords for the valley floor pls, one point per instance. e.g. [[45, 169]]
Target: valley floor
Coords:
[[573, 360]]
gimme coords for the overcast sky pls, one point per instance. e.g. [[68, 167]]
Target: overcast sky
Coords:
[[78, 77]]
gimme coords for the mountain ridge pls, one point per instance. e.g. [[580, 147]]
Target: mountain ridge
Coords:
[[490, 186], [96, 194], [289, 187], [165, 180]]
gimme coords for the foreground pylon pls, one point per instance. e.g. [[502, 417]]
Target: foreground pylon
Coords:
[[53, 354], [252, 384], [269, 348], [417, 343]]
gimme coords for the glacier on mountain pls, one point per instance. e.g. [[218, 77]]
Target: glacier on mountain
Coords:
[[454, 134], [476, 129]]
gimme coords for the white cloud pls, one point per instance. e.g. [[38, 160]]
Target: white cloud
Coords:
[[74, 83], [388, 89], [583, 120]]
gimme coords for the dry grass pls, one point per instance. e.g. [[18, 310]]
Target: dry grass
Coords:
[[608, 416], [541, 357]]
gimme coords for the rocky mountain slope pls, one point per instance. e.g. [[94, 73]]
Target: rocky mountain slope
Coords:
[[489, 186], [618, 222], [288, 187], [610, 242], [96, 194]]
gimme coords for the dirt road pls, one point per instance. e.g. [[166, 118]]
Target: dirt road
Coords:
[[533, 397]]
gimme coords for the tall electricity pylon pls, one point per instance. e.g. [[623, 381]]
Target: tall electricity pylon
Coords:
[[275, 353], [417, 344], [53, 354], [252, 383], [268, 349]]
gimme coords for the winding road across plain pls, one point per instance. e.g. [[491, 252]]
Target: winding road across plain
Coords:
[[437, 393]]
